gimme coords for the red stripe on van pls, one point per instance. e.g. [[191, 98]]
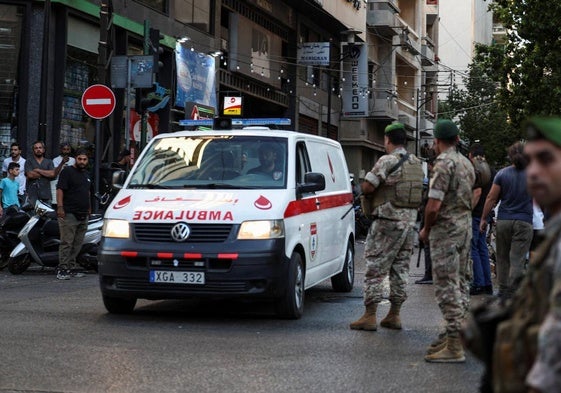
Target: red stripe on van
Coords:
[[164, 255], [129, 254], [302, 206]]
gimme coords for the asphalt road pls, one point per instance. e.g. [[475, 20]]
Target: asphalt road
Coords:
[[55, 336]]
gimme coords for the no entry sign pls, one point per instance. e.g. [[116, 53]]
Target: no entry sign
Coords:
[[98, 101]]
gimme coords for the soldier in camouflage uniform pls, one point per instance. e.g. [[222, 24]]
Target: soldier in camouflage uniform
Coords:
[[532, 335], [389, 243], [448, 230]]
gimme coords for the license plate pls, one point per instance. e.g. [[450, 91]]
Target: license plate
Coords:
[[171, 277]]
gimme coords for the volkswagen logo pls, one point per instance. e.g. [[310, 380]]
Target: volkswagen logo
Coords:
[[180, 232]]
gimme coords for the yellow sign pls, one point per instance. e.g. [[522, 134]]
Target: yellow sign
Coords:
[[232, 106]]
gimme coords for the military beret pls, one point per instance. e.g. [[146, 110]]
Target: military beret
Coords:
[[445, 129], [393, 127], [548, 127]]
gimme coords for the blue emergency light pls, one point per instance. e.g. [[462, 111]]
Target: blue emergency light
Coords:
[[240, 122]]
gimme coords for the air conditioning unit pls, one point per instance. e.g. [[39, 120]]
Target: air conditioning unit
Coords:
[[223, 44]]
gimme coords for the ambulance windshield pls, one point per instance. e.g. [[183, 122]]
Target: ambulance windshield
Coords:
[[233, 162]]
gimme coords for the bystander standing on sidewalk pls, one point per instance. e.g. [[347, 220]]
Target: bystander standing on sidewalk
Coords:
[[39, 171], [73, 209], [482, 283], [9, 187], [514, 220], [64, 159], [15, 156]]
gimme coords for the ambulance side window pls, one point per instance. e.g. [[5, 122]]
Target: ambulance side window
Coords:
[[302, 162]]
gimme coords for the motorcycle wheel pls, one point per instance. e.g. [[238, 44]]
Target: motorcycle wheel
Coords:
[[4, 257], [88, 257], [19, 264]]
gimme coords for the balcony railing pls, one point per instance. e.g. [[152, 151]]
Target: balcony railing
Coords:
[[382, 106], [381, 17], [427, 52]]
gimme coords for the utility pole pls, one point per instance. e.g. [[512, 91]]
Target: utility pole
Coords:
[[42, 134], [103, 61], [144, 114], [105, 49]]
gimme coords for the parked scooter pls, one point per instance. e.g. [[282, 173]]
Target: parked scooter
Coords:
[[40, 239], [11, 223]]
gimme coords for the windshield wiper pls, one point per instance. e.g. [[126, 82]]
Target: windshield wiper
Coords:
[[148, 185]]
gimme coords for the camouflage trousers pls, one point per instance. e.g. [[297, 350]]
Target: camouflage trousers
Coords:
[[452, 270], [388, 249]]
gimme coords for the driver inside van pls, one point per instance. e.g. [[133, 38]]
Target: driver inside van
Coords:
[[268, 160]]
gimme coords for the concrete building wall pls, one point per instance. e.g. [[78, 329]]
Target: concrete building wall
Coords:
[[462, 24]]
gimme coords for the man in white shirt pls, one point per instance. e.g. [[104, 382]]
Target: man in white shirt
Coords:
[[15, 156], [65, 150]]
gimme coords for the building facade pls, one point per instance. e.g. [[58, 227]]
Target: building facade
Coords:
[[376, 64], [463, 24]]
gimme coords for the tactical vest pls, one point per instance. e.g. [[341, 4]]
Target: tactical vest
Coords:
[[408, 191], [516, 342]]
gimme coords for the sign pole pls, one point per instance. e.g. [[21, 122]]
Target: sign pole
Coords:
[[128, 102], [97, 160], [98, 101]]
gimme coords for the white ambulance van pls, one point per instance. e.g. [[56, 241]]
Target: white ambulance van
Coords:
[[238, 213]]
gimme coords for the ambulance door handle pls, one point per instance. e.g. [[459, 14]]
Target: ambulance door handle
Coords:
[[318, 203]]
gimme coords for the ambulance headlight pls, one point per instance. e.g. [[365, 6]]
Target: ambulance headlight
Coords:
[[268, 229], [116, 228]]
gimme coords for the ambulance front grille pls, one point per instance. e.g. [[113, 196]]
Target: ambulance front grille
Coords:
[[200, 233]]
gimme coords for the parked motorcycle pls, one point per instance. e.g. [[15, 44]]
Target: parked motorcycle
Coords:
[[40, 240], [11, 223]]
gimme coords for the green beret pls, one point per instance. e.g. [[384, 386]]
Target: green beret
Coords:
[[393, 127], [548, 127], [445, 129]]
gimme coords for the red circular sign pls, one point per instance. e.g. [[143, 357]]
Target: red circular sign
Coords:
[[98, 101]]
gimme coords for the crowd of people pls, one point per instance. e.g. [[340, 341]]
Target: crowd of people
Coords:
[[64, 183], [523, 200]]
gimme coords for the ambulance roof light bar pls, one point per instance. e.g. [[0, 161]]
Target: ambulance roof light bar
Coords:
[[239, 122]]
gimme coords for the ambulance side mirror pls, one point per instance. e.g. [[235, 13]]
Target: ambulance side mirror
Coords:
[[313, 182], [118, 179]]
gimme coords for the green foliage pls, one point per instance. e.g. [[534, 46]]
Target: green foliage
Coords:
[[479, 113], [528, 66]]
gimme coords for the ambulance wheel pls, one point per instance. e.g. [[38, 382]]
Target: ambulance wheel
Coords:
[[116, 305], [19, 264], [291, 304], [344, 281]]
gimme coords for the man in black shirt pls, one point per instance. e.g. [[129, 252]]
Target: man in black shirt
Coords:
[[73, 209]]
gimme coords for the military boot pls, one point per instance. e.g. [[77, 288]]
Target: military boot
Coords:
[[392, 320], [368, 319], [438, 344], [453, 352]]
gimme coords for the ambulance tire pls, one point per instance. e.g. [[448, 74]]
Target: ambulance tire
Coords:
[[344, 281], [116, 305], [291, 304]]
